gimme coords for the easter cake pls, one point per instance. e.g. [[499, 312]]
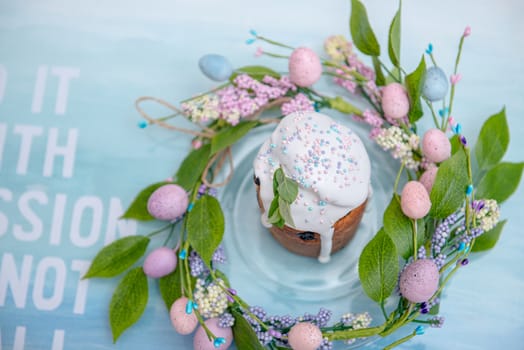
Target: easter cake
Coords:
[[332, 170]]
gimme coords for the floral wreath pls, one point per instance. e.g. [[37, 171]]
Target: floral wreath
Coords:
[[448, 209]]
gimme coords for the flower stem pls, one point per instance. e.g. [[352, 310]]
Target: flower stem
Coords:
[[414, 225], [276, 43], [395, 186], [452, 94], [400, 341], [162, 229], [354, 333], [433, 114], [275, 55]]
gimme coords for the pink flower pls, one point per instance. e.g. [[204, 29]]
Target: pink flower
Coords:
[[196, 144], [451, 120], [301, 103], [455, 78], [259, 52], [467, 32]]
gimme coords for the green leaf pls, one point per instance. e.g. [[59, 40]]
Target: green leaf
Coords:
[[493, 140], [288, 190], [487, 240], [285, 211], [229, 136], [414, 83], [118, 256], [394, 40], [399, 228], [128, 302], [170, 287], [138, 208], [500, 182], [392, 78], [361, 32], [273, 207], [455, 144], [245, 337], [191, 169], [449, 189], [341, 105], [255, 72], [378, 267], [205, 227], [380, 79]]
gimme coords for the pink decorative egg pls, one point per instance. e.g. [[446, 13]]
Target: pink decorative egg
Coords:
[[168, 202], [436, 146], [395, 101], [304, 336], [184, 323], [201, 341], [305, 68], [160, 262], [414, 200], [419, 280], [428, 177]]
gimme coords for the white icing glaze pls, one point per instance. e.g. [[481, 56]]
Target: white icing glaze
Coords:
[[330, 164]]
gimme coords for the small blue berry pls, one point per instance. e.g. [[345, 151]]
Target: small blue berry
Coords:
[[183, 254], [443, 112], [461, 246], [250, 41], [253, 32], [429, 50], [190, 207], [142, 124], [419, 330], [218, 342], [189, 307], [469, 189], [457, 129]]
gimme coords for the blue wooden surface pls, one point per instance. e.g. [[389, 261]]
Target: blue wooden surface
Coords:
[[109, 53]]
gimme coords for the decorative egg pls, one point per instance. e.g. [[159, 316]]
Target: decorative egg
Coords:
[[428, 177], [168, 202], [419, 280], [182, 322], [160, 262], [435, 85], [202, 342], [305, 68], [436, 146], [414, 200], [305, 336], [215, 67], [395, 101]]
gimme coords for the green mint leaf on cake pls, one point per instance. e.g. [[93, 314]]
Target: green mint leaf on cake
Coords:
[[361, 32], [414, 83], [378, 267], [205, 227], [229, 136], [285, 191], [394, 39], [245, 336], [399, 228], [255, 72], [447, 194], [192, 167], [493, 141], [118, 256], [138, 208], [500, 182], [128, 302]]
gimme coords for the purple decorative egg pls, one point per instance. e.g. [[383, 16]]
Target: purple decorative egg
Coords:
[[160, 262], [414, 200], [395, 101], [168, 202], [201, 341], [419, 280], [182, 322], [305, 336], [305, 68], [436, 146], [428, 177]]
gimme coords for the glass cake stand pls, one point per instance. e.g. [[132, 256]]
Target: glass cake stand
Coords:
[[265, 274]]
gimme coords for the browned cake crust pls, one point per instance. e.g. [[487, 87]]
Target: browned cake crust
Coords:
[[308, 243]]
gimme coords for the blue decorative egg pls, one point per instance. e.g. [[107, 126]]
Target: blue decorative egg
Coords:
[[215, 67], [435, 85]]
